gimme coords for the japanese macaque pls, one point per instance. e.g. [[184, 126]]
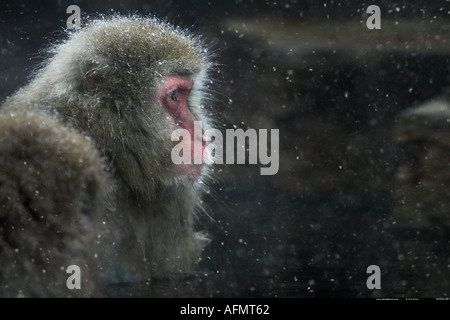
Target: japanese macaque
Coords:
[[86, 176]]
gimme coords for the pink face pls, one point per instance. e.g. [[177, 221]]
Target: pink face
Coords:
[[173, 93]]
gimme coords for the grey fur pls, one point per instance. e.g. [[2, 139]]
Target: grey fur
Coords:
[[118, 209]]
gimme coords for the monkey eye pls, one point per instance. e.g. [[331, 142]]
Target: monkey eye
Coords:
[[172, 95], [177, 97]]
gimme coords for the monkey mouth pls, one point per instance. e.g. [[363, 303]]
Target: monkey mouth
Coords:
[[188, 172], [193, 170], [188, 158]]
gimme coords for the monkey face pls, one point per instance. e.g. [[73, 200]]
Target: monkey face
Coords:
[[173, 95]]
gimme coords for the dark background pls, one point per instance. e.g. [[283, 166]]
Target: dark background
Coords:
[[336, 91]]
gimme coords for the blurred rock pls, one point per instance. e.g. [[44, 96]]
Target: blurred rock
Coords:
[[422, 183], [332, 89], [295, 39]]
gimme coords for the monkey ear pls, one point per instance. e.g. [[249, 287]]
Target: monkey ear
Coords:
[[91, 76], [91, 80]]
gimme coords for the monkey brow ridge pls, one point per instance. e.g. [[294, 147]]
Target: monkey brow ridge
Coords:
[[183, 72]]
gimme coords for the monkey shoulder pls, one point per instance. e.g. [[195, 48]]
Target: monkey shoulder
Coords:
[[52, 200]]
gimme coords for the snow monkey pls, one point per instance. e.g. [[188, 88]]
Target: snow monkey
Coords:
[[86, 176]]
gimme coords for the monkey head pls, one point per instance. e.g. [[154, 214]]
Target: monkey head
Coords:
[[128, 83]]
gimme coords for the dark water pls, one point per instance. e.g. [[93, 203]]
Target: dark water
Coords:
[[311, 245]]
